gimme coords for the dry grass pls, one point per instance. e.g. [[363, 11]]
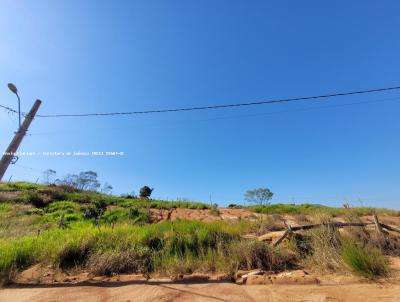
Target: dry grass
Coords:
[[325, 243]]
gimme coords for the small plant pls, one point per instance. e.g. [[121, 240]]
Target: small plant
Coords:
[[366, 261], [214, 211]]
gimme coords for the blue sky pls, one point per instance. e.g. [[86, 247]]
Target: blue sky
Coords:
[[100, 56]]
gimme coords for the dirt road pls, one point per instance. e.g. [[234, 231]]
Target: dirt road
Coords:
[[159, 291]]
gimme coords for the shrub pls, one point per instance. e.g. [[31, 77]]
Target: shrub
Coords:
[[325, 244], [74, 254], [214, 211], [366, 261], [255, 254], [145, 192], [36, 200], [136, 259], [139, 215], [95, 210], [53, 194]]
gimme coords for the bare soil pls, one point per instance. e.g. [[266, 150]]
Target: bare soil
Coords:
[[288, 286], [217, 291]]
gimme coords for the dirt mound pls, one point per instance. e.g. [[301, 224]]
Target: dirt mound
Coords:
[[159, 215]]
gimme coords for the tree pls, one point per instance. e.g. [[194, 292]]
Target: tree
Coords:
[[88, 181], [48, 176], [107, 188], [260, 196], [145, 192]]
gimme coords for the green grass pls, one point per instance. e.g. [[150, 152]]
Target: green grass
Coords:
[[150, 248], [313, 209], [105, 234], [366, 261]]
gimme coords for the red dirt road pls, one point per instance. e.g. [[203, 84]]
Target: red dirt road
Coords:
[[158, 291]]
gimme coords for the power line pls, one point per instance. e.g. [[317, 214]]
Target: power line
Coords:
[[307, 98], [185, 122], [29, 168], [226, 105], [8, 109]]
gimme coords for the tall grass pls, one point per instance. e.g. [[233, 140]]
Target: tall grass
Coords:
[[366, 261], [83, 243]]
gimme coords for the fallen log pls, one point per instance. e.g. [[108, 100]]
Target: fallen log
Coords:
[[280, 239], [390, 228], [286, 232], [282, 234]]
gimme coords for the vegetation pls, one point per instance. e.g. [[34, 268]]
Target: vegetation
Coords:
[[366, 261], [70, 228], [314, 209], [260, 196], [145, 192]]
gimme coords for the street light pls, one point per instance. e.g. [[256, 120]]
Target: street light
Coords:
[[14, 90]]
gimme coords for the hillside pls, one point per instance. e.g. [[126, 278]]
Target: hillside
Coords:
[[50, 233]]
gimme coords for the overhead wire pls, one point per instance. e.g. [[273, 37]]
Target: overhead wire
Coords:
[[262, 102]]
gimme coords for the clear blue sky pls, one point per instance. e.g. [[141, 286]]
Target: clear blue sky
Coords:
[[100, 56]]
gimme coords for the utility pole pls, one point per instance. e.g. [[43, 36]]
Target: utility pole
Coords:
[[19, 135]]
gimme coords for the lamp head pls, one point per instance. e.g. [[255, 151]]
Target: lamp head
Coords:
[[13, 88]]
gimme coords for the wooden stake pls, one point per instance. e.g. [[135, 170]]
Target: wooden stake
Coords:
[[378, 226]]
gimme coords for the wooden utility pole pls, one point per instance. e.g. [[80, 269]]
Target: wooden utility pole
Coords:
[[19, 135]]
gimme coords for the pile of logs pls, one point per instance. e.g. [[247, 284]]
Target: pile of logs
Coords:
[[282, 234]]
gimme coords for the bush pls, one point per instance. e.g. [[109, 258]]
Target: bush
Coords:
[[255, 254], [139, 215], [136, 259], [36, 200], [74, 254], [365, 261], [145, 192], [95, 210], [325, 244], [53, 194]]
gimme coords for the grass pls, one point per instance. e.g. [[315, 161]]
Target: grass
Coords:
[[321, 247], [313, 209], [148, 248], [69, 228], [366, 261]]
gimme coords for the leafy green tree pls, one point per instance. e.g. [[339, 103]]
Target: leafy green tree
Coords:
[[260, 196]]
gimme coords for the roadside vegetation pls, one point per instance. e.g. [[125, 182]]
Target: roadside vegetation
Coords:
[[71, 228]]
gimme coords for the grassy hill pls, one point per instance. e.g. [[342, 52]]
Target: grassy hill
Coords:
[[69, 229]]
